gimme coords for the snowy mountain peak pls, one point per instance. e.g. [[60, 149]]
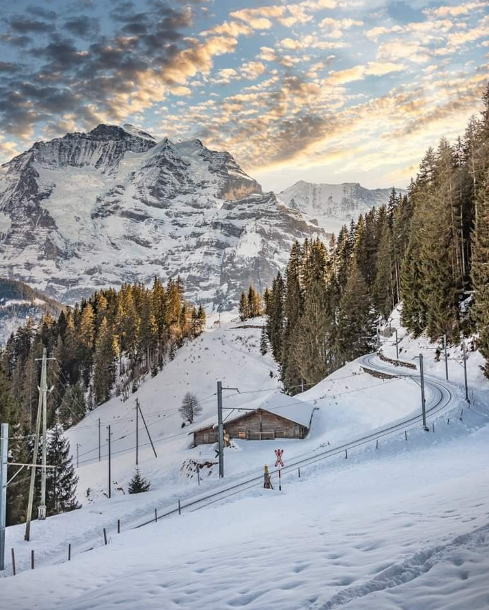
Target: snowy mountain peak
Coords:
[[97, 209], [138, 133], [333, 205]]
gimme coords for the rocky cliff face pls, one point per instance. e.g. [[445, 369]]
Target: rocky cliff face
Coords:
[[333, 205], [114, 205]]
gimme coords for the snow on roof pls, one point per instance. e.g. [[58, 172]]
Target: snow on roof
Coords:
[[280, 404]]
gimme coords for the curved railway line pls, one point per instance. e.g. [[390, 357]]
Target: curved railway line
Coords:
[[441, 398]]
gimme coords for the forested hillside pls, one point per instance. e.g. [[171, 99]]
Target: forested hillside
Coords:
[[429, 249], [104, 345]]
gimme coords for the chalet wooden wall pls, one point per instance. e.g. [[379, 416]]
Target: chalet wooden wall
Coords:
[[258, 425]]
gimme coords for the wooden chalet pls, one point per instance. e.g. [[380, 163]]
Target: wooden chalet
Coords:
[[264, 423]]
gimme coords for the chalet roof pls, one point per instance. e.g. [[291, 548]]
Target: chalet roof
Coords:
[[282, 405]]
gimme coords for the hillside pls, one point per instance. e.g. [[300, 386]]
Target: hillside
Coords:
[[327, 527]]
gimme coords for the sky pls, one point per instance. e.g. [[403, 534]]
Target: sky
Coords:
[[316, 90]]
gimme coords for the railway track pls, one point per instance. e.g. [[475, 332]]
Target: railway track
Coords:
[[441, 398]]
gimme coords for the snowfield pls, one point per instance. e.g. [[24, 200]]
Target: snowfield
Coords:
[[402, 525]]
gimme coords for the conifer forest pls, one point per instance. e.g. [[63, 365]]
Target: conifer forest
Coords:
[[105, 345], [428, 248]]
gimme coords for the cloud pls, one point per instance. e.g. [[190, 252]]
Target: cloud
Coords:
[[455, 11], [311, 42], [82, 26], [230, 28], [8, 150], [146, 57], [359, 72], [22, 24], [334, 28]]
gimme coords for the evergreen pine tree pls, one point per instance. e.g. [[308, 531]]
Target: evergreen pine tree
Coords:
[[263, 342], [138, 483], [313, 341], [61, 482], [104, 363], [73, 406], [480, 270], [383, 289], [275, 322], [243, 307], [356, 318]]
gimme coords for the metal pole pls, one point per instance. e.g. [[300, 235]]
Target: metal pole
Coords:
[[149, 435], [423, 401], [446, 355], [3, 490], [44, 390], [465, 372], [220, 430], [33, 470], [99, 443], [137, 432], [77, 455], [110, 465]]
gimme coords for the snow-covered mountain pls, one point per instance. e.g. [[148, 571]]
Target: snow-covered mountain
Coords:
[[333, 205], [97, 209]]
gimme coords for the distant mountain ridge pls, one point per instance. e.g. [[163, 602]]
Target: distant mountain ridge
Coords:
[[97, 209], [333, 205], [19, 302]]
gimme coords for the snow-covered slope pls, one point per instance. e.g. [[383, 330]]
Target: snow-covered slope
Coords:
[[398, 526], [333, 205], [97, 209]]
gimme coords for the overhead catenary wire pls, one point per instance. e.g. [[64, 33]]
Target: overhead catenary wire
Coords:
[[299, 402]]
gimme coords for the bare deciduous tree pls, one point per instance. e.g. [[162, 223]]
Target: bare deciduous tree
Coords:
[[190, 407]]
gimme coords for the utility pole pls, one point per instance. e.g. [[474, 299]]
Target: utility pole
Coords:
[[220, 429], [3, 490], [147, 430], [446, 355], [137, 432], [41, 511], [465, 372], [110, 464], [423, 401], [99, 443], [34, 460], [220, 426]]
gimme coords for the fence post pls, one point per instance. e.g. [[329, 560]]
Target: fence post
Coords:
[[179, 508], [405, 435], [32, 559], [299, 471], [69, 552], [377, 444], [346, 454], [433, 427], [13, 562], [105, 536], [156, 515]]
